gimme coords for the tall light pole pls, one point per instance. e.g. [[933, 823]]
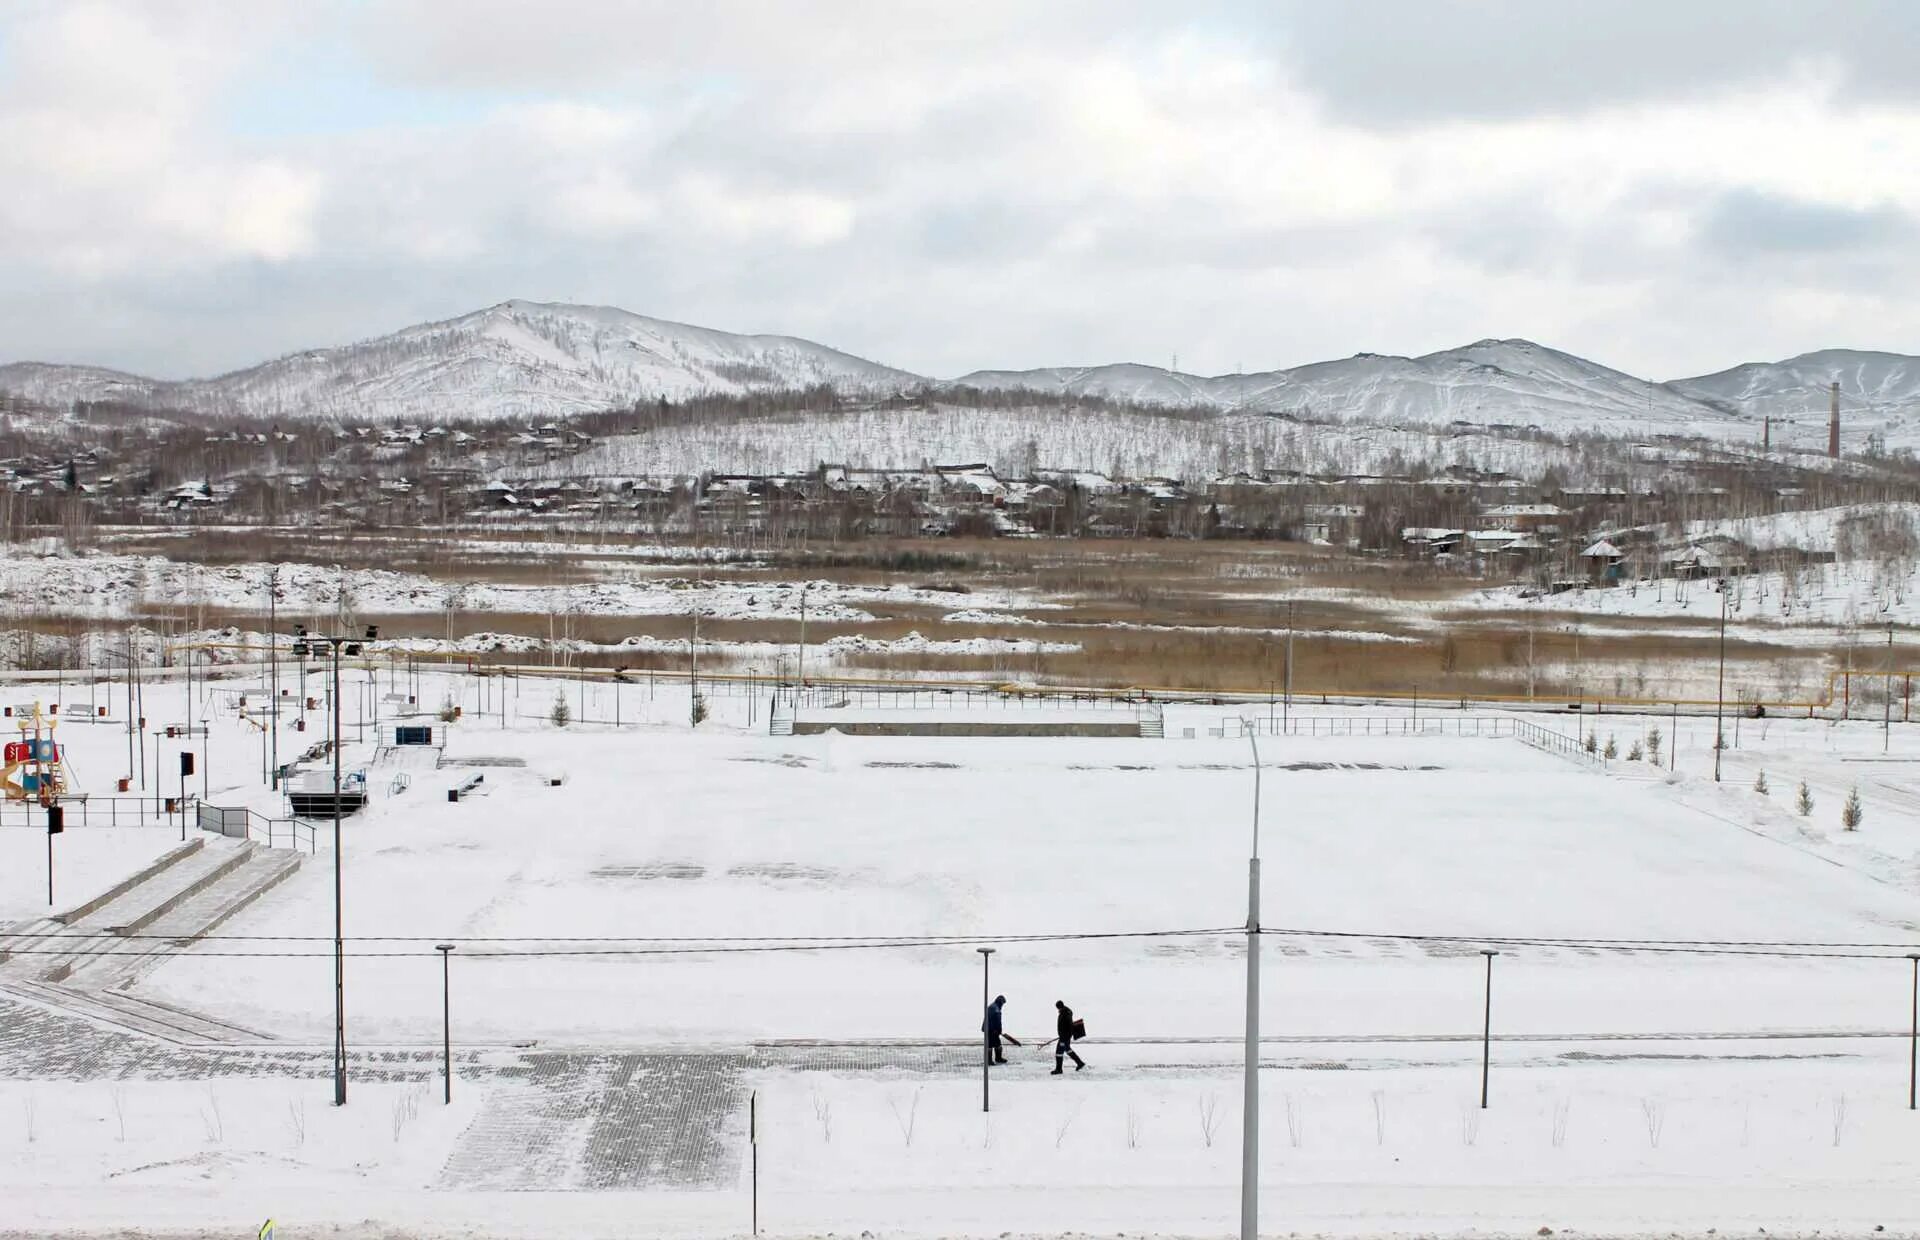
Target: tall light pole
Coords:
[[1886, 725], [986, 1039], [1720, 693], [303, 642], [1250, 1103], [1486, 1029], [1286, 707], [446, 1013], [803, 633]]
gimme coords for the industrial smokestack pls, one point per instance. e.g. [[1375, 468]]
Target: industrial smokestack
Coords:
[[1833, 421]]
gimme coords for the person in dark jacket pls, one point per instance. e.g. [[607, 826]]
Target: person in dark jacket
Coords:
[[991, 1027], [1063, 1043]]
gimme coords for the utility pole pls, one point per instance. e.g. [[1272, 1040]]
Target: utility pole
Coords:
[[1720, 694], [803, 633], [1250, 1101], [1286, 709], [1886, 725], [693, 672], [273, 675], [1529, 660]]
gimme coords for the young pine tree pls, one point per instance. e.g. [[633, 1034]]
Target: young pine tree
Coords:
[[562, 714], [1760, 783], [1851, 813], [1803, 801], [1634, 752], [699, 714], [1593, 743], [1653, 744], [1611, 751]]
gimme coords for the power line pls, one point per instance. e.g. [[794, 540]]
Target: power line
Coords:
[[173, 946], [161, 945]]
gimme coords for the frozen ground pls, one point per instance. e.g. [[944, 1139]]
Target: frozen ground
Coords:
[[1634, 1091]]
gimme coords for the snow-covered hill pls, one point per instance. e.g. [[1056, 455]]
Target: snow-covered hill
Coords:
[[1492, 382], [1879, 392], [1017, 440], [514, 360], [538, 360], [42, 383]]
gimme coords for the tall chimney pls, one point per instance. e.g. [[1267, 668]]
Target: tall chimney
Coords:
[[1833, 421]]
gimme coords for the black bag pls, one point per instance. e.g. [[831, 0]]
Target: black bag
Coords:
[[1079, 1030]]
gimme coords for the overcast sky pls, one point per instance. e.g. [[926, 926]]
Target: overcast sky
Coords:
[[1670, 187]]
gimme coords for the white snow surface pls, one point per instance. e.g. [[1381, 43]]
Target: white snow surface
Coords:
[[1648, 1101], [105, 586]]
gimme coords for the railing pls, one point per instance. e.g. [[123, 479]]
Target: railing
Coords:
[[1234, 726], [84, 810], [1549, 741], [245, 824], [960, 697]]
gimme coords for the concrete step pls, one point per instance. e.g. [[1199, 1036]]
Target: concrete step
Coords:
[[103, 931], [167, 860], [260, 870], [22, 944], [160, 895], [135, 1014]]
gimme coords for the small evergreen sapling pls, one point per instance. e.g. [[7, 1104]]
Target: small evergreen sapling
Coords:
[[1653, 744], [1803, 801], [1593, 743], [1851, 813], [562, 714], [1634, 752], [1760, 783], [1611, 751]]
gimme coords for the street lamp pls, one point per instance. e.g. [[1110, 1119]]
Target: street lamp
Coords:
[[1250, 1103], [1486, 1028], [986, 1039], [446, 1013], [305, 643]]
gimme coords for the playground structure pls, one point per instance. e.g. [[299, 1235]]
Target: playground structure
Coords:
[[35, 765]]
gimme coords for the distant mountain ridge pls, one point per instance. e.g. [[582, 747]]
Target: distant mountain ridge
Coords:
[[529, 360], [517, 359]]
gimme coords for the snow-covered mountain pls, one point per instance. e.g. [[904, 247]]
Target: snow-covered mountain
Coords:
[[45, 383], [1879, 392], [1492, 382], [538, 360], [514, 360]]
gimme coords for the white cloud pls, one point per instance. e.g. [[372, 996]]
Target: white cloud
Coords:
[[1005, 185]]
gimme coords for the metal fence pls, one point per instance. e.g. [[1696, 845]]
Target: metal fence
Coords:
[[96, 811], [816, 697], [245, 824], [1235, 726]]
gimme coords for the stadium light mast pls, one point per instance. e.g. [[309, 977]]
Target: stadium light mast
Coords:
[[1250, 1103], [303, 643]]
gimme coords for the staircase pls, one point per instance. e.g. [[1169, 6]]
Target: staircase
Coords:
[[86, 959], [1153, 722], [780, 722]]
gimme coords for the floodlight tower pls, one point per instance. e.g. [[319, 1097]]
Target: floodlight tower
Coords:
[[303, 644]]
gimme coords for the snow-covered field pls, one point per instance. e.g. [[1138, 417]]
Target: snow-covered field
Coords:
[[1635, 1088]]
